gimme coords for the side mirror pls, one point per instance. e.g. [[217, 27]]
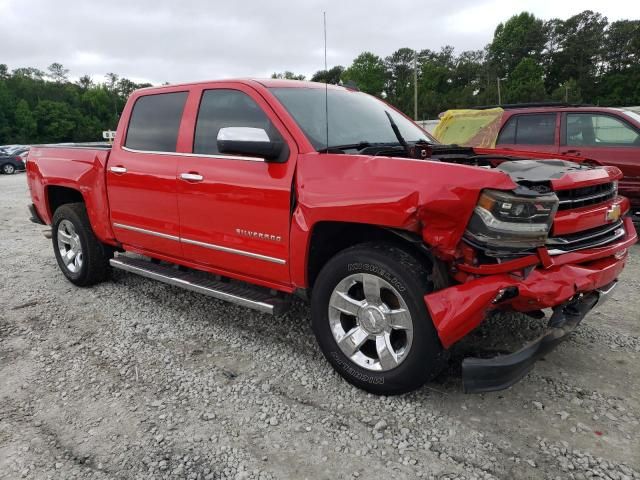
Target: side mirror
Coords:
[[249, 141]]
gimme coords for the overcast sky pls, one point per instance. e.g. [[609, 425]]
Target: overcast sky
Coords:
[[186, 40]]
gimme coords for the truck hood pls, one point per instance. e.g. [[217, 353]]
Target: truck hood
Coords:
[[432, 198]]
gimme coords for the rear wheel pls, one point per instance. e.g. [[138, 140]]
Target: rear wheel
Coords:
[[8, 169], [371, 322], [83, 259]]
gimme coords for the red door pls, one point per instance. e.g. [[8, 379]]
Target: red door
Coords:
[[536, 132], [609, 139], [235, 210], [141, 176]]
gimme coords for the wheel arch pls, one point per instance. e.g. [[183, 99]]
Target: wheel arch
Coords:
[[328, 238], [58, 195]]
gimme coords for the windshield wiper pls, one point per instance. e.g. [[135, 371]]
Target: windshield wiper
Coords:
[[397, 133], [358, 146]]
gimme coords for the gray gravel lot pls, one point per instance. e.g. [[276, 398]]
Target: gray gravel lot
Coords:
[[135, 379]]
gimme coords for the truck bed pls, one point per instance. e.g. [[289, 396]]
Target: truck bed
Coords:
[[75, 167]]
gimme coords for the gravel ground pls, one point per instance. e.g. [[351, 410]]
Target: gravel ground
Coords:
[[135, 379]]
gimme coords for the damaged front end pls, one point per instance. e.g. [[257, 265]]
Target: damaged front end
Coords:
[[556, 241]]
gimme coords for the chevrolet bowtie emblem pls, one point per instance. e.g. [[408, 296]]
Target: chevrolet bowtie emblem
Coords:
[[613, 213]]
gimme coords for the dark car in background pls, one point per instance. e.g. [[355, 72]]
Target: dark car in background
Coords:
[[10, 164], [600, 135]]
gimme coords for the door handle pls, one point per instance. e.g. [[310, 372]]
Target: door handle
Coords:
[[191, 177], [119, 169], [571, 152]]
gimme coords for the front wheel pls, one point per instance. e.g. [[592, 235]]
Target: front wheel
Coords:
[[371, 322], [8, 169]]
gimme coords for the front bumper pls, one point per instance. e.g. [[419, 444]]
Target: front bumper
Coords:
[[488, 375], [537, 283]]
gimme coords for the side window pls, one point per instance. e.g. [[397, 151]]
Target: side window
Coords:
[[227, 108], [155, 122], [593, 130], [534, 129], [508, 133]]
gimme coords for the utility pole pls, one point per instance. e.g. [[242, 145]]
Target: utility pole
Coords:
[[415, 86], [499, 96]]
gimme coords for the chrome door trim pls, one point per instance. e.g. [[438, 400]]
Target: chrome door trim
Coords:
[[197, 155], [211, 246], [235, 251], [118, 169], [148, 232]]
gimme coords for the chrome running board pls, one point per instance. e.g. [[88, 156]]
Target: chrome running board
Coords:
[[247, 296]]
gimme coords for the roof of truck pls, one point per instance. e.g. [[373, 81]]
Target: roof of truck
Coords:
[[266, 82]]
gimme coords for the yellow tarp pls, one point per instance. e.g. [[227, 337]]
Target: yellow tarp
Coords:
[[469, 128]]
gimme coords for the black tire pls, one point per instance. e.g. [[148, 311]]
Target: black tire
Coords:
[[8, 169], [95, 255], [411, 278]]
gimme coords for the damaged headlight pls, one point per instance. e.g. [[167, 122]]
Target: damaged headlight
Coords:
[[502, 220]]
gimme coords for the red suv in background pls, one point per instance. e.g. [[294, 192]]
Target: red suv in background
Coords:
[[604, 136]]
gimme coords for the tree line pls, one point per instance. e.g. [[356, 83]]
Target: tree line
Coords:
[[46, 107], [583, 59]]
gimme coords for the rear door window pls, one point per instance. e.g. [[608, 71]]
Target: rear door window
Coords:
[[598, 130], [530, 129], [155, 122]]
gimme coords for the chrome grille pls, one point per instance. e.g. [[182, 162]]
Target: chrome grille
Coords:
[[595, 237], [584, 196]]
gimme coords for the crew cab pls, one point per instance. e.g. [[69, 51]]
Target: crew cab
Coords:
[[247, 191]]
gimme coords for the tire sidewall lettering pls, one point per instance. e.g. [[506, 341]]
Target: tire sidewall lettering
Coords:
[[349, 368], [377, 270]]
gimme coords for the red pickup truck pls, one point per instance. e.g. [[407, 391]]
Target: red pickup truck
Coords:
[[247, 191]]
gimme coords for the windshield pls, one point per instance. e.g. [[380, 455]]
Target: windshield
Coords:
[[354, 117]]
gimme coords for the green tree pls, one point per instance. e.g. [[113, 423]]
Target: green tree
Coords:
[[58, 73], [25, 124], [522, 36], [29, 72], [579, 51], [55, 121], [332, 76], [399, 88], [112, 80], [568, 92], [622, 45], [287, 75], [85, 82], [526, 83], [368, 73]]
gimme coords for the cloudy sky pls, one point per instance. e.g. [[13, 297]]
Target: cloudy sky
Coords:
[[185, 40]]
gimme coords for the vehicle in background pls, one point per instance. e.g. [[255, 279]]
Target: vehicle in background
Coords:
[[10, 164], [21, 152], [599, 135], [429, 125], [245, 191], [12, 149]]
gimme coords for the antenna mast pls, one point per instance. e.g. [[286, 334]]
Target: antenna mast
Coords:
[[326, 80]]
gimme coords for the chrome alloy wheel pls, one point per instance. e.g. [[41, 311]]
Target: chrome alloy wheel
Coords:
[[69, 246], [370, 322], [8, 169]]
